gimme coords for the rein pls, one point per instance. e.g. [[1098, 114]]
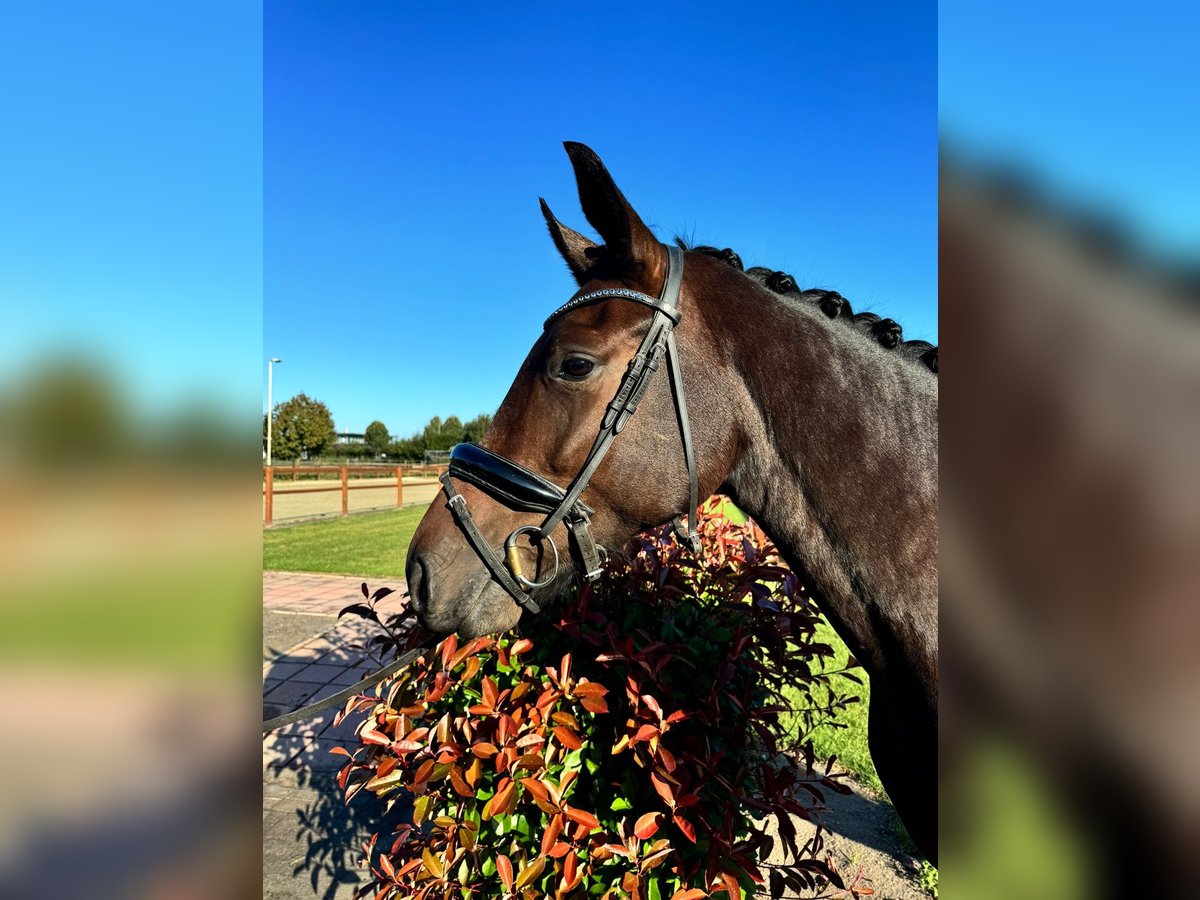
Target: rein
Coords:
[[518, 488]]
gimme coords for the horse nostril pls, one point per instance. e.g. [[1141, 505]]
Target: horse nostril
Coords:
[[417, 576]]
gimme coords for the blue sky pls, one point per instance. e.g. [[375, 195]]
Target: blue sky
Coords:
[[406, 266], [1099, 102], [132, 168]]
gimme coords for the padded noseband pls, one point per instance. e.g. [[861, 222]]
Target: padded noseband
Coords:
[[518, 488]]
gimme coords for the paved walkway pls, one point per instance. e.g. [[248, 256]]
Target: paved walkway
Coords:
[[310, 837]]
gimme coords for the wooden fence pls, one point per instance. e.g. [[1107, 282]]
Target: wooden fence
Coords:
[[294, 473]]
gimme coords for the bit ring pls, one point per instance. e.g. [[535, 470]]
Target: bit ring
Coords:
[[512, 558]]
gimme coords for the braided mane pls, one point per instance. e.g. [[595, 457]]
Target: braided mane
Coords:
[[887, 333]]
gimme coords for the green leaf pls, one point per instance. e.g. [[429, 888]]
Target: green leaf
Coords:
[[620, 804], [650, 882]]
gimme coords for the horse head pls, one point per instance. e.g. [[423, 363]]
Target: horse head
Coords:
[[546, 430]]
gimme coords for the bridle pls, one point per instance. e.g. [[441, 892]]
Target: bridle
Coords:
[[518, 488]]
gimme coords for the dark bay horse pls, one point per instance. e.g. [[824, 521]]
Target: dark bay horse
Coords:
[[824, 435]]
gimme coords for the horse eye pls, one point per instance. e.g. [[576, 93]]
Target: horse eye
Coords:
[[576, 368]]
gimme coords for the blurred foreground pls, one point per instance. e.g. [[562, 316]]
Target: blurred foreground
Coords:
[[1070, 522], [129, 620]]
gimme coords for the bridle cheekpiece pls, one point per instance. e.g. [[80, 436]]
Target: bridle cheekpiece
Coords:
[[518, 488]]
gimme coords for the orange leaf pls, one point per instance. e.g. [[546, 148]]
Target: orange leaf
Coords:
[[474, 772], [689, 894], [647, 825], [460, 786], [371, 736], [645, 733], [423, 771], [567, 737], [483, 749], [536, 788], [731, 887], [489, 691], [582, 817], [553, 830], [570, 865], [595, 704], [664, 790], [505, 800], [590, 689], [505, 870]]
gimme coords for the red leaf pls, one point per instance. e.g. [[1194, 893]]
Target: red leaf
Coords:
[[667, 758], [664, 790], [449, 645], [686, 827], [647, 825]]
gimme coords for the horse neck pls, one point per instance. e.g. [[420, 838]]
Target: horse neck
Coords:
[[838, 464]]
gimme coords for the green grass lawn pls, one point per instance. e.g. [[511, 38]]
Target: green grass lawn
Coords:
[[369, 544], [848, 744]]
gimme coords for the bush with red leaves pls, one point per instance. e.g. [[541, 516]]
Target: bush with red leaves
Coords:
[[633, 745]]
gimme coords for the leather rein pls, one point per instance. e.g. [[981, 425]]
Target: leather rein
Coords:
[[518, 488]]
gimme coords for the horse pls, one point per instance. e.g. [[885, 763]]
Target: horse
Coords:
[[828, 439]]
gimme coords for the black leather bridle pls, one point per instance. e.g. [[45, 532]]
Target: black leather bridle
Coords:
[[517, 488]]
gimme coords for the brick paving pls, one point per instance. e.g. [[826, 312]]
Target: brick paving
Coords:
[[310, 837]]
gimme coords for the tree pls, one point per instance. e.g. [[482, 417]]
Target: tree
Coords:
[[377, 437], [302, 425], [474, 430]]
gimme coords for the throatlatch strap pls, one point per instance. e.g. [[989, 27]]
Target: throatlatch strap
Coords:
[[457, 504], [689, 452]]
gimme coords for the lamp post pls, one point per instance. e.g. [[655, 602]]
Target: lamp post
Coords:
[[270, 407]]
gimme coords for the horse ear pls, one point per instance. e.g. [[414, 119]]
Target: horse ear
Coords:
[[633, 250], [578, 251]]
